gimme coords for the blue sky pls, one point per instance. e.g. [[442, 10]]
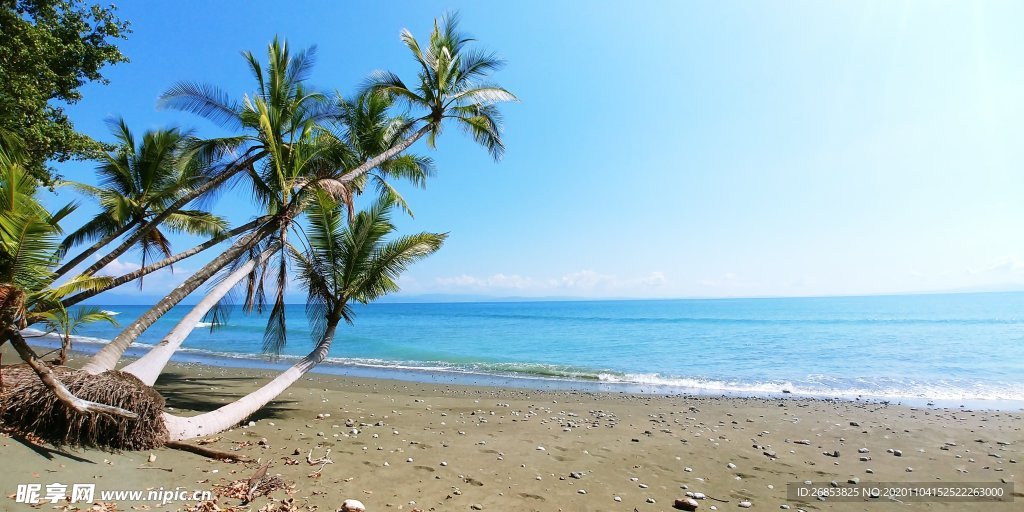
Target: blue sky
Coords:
[[671, 149]]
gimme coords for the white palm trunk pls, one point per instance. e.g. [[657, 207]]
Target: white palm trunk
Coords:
[[108, 356], [149, 367], [219, 420]]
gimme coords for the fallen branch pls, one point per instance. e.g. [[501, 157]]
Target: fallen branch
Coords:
[[206, 452], [326, 459], [56, 386]]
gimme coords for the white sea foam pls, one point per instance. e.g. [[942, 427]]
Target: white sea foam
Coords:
[[823, 386], [815, 385]]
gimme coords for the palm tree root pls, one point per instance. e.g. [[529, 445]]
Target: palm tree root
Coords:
[[28, 406]]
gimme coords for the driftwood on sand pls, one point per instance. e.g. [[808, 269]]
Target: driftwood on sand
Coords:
[[206, 452]]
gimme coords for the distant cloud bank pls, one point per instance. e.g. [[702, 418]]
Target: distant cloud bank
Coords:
[[582, 282]]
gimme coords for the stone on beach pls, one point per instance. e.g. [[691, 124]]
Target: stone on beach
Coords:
[[352, 506], [686, 504]]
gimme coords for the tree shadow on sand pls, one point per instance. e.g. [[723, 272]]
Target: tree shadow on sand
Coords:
[[48, 452], [191, 393]]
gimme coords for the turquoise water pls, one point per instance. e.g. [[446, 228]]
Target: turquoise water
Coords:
[[965, 347]]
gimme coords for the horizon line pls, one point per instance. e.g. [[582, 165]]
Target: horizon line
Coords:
[[519, 299]]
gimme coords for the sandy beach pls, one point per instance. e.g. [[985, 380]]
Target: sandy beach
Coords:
[[408, 446]]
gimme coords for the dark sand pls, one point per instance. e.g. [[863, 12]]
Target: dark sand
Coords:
[[402, 446]]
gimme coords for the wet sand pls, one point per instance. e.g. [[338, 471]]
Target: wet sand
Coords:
[[404, 446]]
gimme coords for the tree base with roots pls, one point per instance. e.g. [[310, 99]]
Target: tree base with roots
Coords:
[[28, 406]]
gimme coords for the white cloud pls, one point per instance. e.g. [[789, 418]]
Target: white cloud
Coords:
[[117, 267], [1001, 266], [158, 282], [583, 282]]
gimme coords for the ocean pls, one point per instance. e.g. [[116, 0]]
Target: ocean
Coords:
[[947, 350]]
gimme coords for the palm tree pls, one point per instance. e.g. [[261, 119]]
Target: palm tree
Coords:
[[451, 89], [67, 322], [366, 130], [342, 262], [139, 181], [28, 254]]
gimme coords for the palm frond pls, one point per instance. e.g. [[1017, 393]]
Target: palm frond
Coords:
[[196, 222], [203, 100], [74, 285]]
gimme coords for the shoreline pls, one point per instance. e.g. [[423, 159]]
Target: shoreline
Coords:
[[400, 445], [453, 376]]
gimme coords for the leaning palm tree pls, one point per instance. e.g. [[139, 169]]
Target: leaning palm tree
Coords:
[[66, 323], [451, 88], [341, 263], [137, 182], [367, 129]]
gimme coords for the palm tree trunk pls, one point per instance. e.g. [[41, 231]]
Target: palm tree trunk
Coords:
[[148, 269], [62, 356], [368, 165], [108, 356], [181, 428], [51, 381], [74, 262], [150, 366], [168, 211]]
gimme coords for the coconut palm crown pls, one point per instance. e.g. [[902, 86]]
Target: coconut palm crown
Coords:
[[137, 182], [452, 85]]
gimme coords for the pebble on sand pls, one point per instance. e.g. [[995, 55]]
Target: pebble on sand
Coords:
[[689, 504], [745, 504], [352, 506]]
